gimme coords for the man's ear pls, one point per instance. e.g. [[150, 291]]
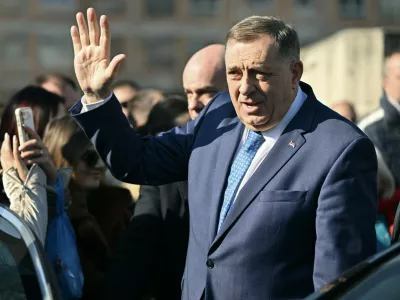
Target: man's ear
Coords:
[[297, 71]]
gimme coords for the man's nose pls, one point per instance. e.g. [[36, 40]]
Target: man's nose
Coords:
[[194, 102], [246, 86]]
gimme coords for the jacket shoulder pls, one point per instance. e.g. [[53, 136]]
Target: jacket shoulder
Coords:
[[336, 127]]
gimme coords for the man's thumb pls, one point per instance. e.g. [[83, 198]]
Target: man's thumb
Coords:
[[114, 65]]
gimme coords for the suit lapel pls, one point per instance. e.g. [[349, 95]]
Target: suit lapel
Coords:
[[279, 155], [227, 149], [284, 149]]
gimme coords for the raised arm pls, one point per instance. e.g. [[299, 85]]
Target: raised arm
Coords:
[[130, 158], [94, 70]]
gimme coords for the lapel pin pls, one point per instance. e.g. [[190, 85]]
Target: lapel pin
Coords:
[[292, 144]]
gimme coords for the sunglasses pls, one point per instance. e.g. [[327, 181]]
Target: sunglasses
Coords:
[[90, 158], [125, 104]]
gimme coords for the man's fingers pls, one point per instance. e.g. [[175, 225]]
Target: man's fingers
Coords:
[[83, 30], [76, 41], [94, 31], [105, 38], [114, 65]]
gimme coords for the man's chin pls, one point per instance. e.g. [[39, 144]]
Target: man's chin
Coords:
[[258, 125]]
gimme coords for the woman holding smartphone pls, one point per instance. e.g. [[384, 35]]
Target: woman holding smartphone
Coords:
[[27, 169]]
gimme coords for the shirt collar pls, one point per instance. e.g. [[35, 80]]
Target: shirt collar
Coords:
[[277, 131]]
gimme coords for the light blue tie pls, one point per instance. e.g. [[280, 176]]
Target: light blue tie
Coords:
[[239, 168]]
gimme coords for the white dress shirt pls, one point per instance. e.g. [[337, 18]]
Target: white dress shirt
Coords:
[[271, 136]]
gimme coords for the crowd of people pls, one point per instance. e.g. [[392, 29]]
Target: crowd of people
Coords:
[[129, 186]]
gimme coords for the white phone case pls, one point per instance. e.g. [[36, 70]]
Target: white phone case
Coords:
[[24, 116]]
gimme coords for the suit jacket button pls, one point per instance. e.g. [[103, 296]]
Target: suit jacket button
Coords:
[[210, 264]]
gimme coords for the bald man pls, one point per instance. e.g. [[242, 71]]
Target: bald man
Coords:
[[346, 110], [203, 77], [151, 257]]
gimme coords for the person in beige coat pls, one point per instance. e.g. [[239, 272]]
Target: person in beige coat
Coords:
[[25, 188]]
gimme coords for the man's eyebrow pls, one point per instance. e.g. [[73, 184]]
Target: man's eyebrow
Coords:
[[233, 68], [207, 88]]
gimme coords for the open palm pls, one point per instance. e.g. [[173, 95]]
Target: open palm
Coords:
[[93, 68]]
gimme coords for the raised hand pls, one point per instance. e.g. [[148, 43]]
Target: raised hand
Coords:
[[35, 151], [10, 157], [93, 68]]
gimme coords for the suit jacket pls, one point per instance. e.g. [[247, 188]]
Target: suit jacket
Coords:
[[306, 215], [150, 257]]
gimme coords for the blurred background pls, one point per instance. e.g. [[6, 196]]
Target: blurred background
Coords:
[[344, 41]]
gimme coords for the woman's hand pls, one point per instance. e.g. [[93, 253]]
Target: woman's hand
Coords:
[[12, 157], [34, 151]]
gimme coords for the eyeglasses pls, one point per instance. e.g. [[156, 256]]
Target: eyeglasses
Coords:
[[90, 158]]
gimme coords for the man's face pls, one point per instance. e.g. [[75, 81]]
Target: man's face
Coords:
[[345, 111], [391, 82], [124, 95], [68, 93], [261, 84], [200, 87]]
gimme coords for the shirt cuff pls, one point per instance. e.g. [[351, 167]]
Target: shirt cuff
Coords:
[[87, 107]]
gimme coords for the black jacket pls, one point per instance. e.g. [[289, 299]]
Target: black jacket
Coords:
[[383, 128], [150, 258]]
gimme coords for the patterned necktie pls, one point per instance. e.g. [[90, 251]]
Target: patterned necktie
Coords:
[[238, 169]]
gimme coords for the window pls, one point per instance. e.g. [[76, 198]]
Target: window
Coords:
[[14, 52], [304, 3], [157, 8], [195, 44], [64, 5], [55, 53], [160, 52], [389, 10], [108, 7], [204, 7], [305, 9], [352, 9], [263, 3], [392, 43], [13, 7]]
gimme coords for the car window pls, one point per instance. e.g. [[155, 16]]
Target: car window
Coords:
[[18, 278], [383, 283]]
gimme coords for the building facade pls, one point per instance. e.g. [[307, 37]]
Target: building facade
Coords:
[[158, 36]]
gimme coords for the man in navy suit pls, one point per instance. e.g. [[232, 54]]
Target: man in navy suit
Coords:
[[282, 190]]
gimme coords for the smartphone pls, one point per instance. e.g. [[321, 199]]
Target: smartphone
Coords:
[[24, 116]]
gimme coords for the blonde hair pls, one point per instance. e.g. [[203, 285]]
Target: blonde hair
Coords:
[[66, 141]]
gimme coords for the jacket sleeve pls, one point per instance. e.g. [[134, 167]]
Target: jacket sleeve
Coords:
[[131, 158], [29, 199], [346, 212]]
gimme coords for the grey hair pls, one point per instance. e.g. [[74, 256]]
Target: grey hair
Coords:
[[252, 28]]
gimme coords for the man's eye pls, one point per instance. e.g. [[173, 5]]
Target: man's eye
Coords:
[[262, 75]]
